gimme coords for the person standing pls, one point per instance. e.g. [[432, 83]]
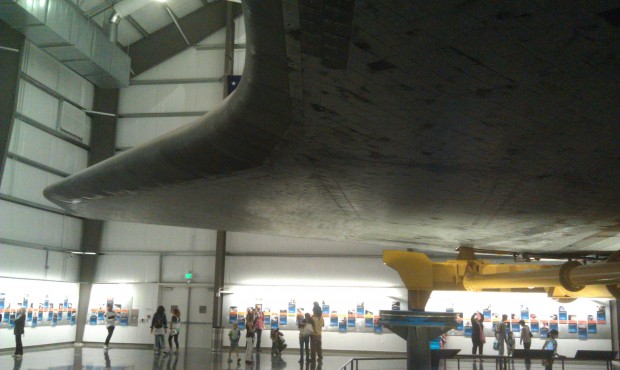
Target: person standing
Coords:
[[477, 333], [259, 323], [159, 327], [18, 330], [110, 322], [175, 328], [551, 344], [306, 329], [316, 345], [526, 335], [500, 334], [249, 342], [234, 334]]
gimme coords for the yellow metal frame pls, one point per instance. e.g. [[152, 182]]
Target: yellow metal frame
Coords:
[[421, 276]]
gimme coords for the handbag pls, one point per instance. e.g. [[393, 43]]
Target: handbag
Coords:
[[308, 329], [496, 345]]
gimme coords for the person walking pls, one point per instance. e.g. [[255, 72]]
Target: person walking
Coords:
[[18, 331], [110, 322], [234, 334], [175, 328], [526, 335], [159, 327]]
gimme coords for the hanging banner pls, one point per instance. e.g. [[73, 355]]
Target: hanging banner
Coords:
[[591, 324], [582, 330], [291, 308], [232, 314], [333, 318], [351, 319], [525, 313], [601, 315], [562, 315], [572, 324], [487, 313], [368, 319], [360, 310]]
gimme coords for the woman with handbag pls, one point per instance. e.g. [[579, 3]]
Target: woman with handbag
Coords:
[[306, 328], [175, 326]]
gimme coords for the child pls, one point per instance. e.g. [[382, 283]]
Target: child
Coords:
[[234, 335], [510, 342], [278, 344]]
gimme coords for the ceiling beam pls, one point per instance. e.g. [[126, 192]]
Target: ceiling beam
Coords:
[[132, 21], [167, 42]]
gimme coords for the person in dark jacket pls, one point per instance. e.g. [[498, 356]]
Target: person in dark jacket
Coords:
[[477, 333], [18, 330]]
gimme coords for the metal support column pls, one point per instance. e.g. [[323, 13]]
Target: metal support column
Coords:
[[218, 285], [418, 328], [229, 46], [103, 141]]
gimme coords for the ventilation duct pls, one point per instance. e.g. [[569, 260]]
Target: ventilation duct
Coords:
[[59, 28], [121, 10]]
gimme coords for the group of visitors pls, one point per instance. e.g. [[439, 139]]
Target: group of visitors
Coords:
[[310, 332], [159, 328], [505, 340], [254, 325]]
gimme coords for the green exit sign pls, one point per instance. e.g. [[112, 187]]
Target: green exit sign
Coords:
[[188, 276]]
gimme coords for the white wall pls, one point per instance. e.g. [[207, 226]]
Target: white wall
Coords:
[[27, 228], [170, 98], [38, 291], [147, 258]]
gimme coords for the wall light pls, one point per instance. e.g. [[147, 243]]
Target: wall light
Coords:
[[222, 291]]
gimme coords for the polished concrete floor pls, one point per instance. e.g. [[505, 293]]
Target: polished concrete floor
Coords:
[[95, 358]]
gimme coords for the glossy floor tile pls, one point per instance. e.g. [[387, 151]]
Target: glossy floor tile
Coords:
[[118, 358]]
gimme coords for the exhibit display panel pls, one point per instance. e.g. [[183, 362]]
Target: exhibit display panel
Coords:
[[351, 316], [135, 303], [350, 313], [584, 323], [51, 311]]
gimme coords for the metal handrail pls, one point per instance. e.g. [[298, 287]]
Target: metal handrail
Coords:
[[503, 360], [354, 362]]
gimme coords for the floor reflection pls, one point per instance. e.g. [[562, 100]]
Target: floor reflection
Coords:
[[118, 358]]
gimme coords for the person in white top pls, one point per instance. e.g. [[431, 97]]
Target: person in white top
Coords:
[[526, 335], [175, 328], [110, 322]]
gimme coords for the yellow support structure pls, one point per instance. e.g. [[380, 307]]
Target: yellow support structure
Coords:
[[568, 281]]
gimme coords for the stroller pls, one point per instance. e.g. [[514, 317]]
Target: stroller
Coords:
[[278, 343]]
